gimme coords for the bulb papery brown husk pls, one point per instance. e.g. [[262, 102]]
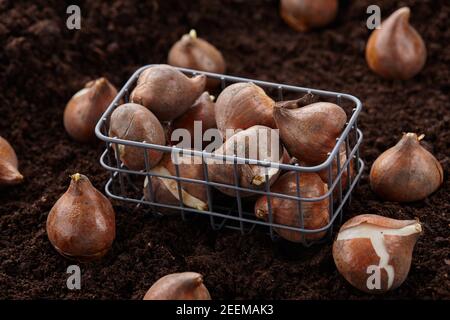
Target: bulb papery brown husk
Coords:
[[86, 107], [374, 253], [192, 52], [241, 106], [202, 116], [257, 143], [309, 132], [396, 50], [165, 190], [9, 172], [303, 15], [285, 211], [81, 224], [406, 172], [134, 122], [167, 92], [179, 286]]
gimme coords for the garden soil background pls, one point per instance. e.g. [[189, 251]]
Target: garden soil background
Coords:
[[42, 64]]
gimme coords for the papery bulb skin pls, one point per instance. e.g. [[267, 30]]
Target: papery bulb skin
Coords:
[[81, 224], [9, 172], [304, 15], [134, 122], [374, 253], [86, 107], [192, 52], [179, 286], [309, 132], [241, 106], [285, 211], [396, 50], [406, 172], [167, 92]]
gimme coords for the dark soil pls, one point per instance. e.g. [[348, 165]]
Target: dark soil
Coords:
[[42, 64]]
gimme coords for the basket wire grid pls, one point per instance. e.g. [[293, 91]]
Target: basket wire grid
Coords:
[[236, 216]]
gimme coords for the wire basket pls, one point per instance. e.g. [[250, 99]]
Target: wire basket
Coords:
[[237, 213]]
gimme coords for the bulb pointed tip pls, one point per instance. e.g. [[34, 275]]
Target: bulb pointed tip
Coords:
[[403, 14], [76, 177], [193, 34], [405, 11]]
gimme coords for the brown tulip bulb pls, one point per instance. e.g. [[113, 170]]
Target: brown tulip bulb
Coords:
[[192, 52], [81, 224], [303, 15], [134, 122], [374, 253], [179, 286], [257, 143], [406, 172], [241, 106], [86, 107], [309, 132], [202, 116], [9, 173], [165, 190], [396, 50], [167, 92], [285, 211]]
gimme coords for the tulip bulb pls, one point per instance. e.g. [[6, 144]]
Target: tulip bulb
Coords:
[[134, 122], [196, 53], [167, 92], [374, 253], [257, 143], [179, 286], [396, 50], [303, 15], [165, 190], [309, 132], [285, 211], [241, 106], [406, 172], [81, 224], [86, 107], [9, 173]]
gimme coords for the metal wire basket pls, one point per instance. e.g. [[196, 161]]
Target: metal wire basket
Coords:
[[237, 213]]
